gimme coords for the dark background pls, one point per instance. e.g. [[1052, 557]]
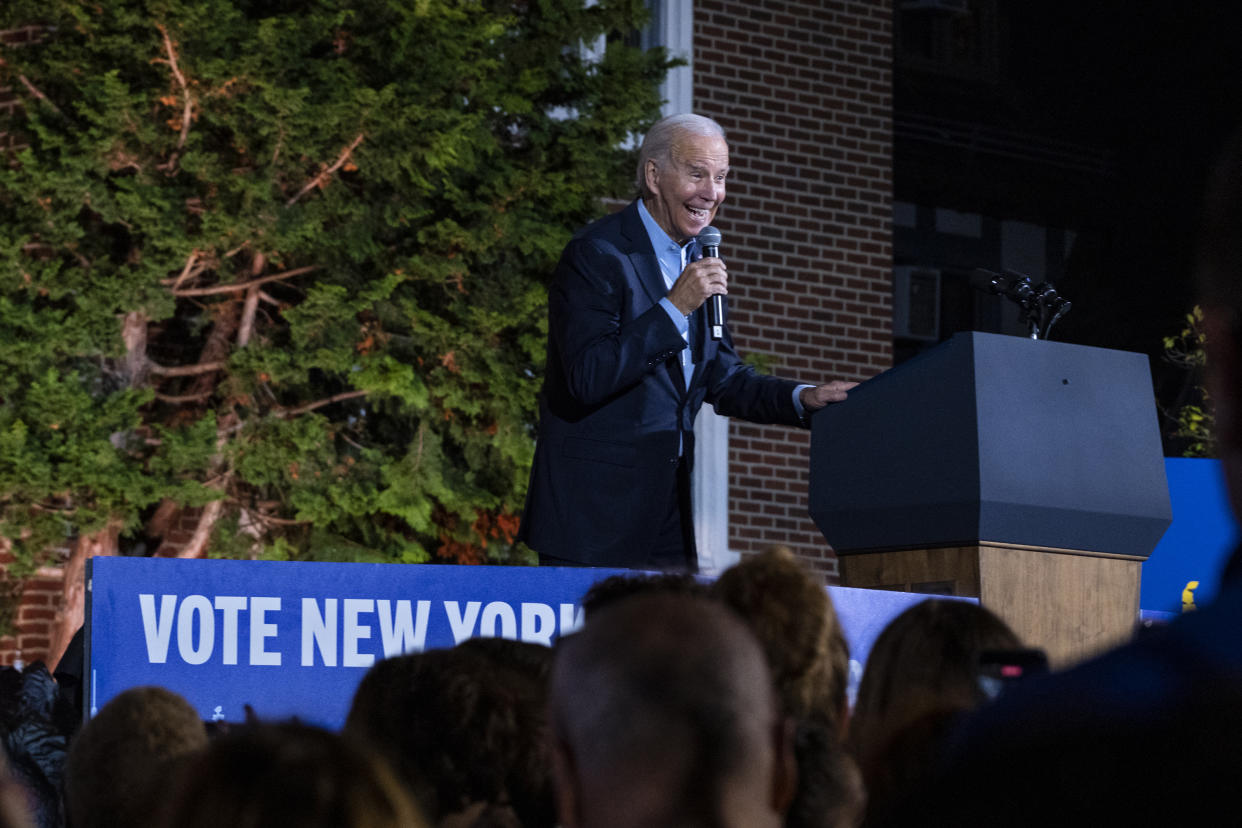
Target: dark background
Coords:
[[1132, 101]]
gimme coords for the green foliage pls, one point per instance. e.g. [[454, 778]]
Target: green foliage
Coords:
[[761, 362], [1193, 418], [343, 214]]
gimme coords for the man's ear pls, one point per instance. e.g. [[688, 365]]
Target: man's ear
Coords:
[[565, 781], [784, 765], [651, 175]]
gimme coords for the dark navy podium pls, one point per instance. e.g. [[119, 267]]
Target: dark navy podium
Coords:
[[1026, 473]]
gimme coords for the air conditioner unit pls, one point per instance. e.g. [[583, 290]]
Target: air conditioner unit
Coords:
[[949, 6], [916, 303]]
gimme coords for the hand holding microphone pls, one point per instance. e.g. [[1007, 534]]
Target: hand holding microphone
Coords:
[[705, 280], [709, 243]]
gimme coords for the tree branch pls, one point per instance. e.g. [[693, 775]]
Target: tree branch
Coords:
[[187, 110], [134, 335], [275, 521], [324, 175], [185, 271], [183, 398], [249, 309], [286, 413], [71, 614], [224, 431], [207, 519], [34, 90], [185, 370], [54, 510], [241, 287]]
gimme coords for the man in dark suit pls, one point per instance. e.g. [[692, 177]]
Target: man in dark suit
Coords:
[[630, 363]]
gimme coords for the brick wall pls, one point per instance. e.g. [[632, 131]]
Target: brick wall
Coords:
[[43, 595], [39, 602], [804, 92]]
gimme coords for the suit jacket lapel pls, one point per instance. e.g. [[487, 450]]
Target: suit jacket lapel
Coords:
[[643, 258], [642, 255]]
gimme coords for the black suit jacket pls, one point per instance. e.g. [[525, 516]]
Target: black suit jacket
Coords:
[[615, 407]]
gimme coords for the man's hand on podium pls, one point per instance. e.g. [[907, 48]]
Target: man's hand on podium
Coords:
[[816, 397]]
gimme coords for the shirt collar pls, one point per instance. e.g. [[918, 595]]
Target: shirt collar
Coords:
[[660, 241]]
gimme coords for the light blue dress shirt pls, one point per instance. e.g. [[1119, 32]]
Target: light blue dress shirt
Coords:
[[672, 258]]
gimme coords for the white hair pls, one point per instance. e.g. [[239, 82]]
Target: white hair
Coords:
[[658, 142]]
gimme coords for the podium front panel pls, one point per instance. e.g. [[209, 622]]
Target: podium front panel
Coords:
[[995, 439]]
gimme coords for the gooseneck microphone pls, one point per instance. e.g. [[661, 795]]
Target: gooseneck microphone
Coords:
[[1041, 305], [709, 244]]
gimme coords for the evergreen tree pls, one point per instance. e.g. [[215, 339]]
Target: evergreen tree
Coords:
[[285, 261]]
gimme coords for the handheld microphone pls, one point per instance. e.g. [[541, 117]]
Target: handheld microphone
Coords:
[[709, 244]]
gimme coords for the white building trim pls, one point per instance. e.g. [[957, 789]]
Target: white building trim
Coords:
[[673, 27]]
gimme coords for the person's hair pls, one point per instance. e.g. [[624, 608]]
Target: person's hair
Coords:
[[924, 663], [791, 614], [666, 697], [534, 661], [658, 142], [905, 765], [460, 727], [615, 588], [288, 774], [122, 761], [830, 789]]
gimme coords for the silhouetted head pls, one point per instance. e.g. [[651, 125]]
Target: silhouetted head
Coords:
[[461, 727], [288, 774], [664, 715], [788, 609], [122, 762], [925, 663], [619, 587]]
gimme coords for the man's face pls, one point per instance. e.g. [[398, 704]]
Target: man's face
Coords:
[[687, 189]]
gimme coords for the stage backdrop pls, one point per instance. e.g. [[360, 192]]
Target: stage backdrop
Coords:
[[294, 639]]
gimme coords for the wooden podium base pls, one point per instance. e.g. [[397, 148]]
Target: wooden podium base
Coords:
[[1072, 604]]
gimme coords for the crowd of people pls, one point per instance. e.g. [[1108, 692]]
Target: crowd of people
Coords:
[[679, 703]]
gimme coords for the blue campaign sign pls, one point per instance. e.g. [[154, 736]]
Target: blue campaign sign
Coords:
[[294, 639], [864, 613], [1186, 565]]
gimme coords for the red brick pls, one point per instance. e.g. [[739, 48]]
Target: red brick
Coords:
[[805, 100]]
